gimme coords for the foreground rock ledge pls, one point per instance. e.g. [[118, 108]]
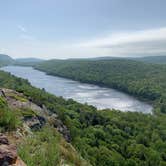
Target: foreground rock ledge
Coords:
[[8, 153]]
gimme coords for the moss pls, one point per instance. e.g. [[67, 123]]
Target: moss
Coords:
[[20, 98], [28, 113], [17, 97]]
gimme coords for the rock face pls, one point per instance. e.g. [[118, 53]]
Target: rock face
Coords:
[[41, 115], [18, 100], [8, 153], [62, 129], [36, 122]]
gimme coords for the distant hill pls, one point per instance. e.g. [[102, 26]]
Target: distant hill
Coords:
[[147, 59], [153, 59], [27, 61], [94, 59], [5, 60]]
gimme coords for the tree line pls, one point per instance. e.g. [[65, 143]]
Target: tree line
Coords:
[[146, 81], [103, 137]]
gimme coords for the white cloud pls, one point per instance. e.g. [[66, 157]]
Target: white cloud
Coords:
[[135, 43], [145, 42], [22, 28], [127, 37]]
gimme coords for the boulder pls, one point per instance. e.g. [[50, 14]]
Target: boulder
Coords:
[[8, 154]]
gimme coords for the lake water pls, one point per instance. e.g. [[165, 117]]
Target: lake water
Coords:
[[84, 93]]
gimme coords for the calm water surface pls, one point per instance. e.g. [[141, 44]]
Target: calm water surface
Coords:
[[81, 92]]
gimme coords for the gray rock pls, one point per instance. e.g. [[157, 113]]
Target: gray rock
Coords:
[[36, 122]]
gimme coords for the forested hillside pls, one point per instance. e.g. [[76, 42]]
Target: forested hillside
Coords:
[[102, 137], [27, 61], [5, 60], [146, 81]]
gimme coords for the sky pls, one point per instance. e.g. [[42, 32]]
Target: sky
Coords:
[[82, 28]]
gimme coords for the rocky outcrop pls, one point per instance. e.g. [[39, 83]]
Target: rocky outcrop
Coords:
[[40, 114], [60, 127], [35, 122], [18, 100], [8, 153]]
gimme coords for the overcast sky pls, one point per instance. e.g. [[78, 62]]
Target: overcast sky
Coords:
[[82, 28]]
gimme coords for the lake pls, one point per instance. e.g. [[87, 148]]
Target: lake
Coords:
[[99, 97]]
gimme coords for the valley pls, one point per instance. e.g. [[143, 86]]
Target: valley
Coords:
[[99, 137], [99, 97]]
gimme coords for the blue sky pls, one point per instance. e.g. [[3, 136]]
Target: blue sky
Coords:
[[82, 28]]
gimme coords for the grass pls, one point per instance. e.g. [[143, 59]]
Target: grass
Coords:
[[46, 147], [41, 148], [8, 118]]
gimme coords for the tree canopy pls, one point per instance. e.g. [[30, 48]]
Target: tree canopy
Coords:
[[103, 137]]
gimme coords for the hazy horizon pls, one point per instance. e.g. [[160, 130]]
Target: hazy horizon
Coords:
[[82, 29], [38, 58]]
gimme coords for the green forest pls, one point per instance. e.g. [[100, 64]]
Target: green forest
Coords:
[[143, 80], [107, 137]]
